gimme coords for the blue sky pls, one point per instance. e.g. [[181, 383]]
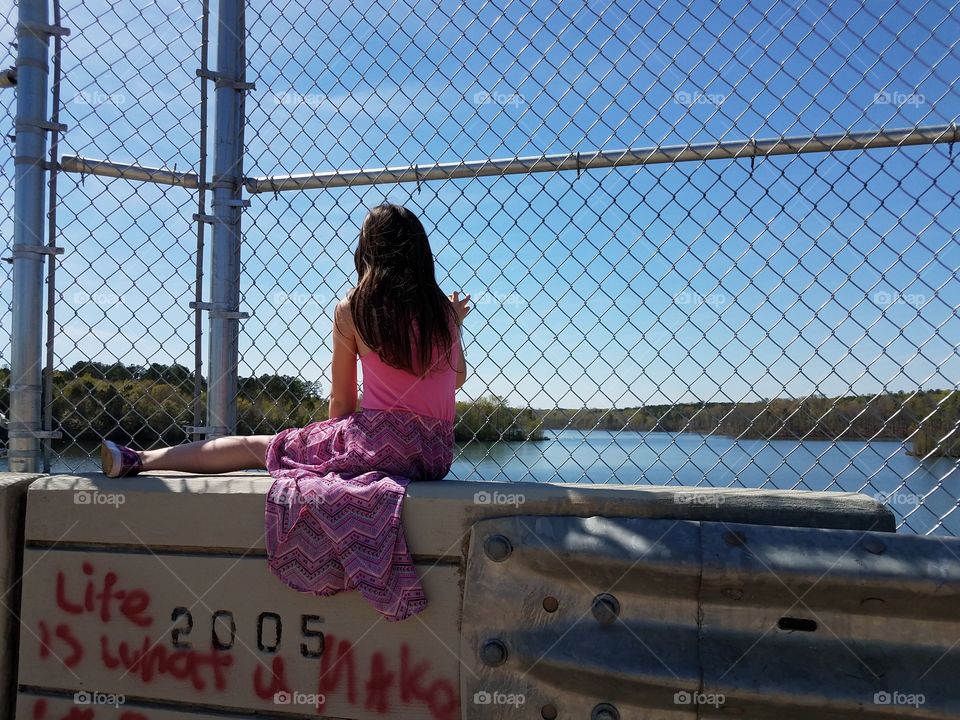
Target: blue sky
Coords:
[[713, 281]]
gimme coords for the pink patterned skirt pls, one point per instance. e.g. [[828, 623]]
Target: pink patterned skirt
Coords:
[[333, 511]]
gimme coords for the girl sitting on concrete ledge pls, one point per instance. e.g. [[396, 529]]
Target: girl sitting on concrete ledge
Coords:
[[332, 514], [396, 298]]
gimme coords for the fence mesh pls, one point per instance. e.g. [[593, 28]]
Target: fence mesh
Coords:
[[8, 111], [774, 321], [124, 356]]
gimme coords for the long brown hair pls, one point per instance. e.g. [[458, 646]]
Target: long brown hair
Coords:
[[397, 291]]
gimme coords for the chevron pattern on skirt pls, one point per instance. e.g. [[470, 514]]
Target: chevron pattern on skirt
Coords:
[[333, 511]]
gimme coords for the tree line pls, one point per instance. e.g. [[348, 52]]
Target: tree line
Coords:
[[154, 403], [146, 404], [927, 417]]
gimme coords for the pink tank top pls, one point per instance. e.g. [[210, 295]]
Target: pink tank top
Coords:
[[386, 387]]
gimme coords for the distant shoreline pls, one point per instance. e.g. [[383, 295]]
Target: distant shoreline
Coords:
[[147, 404], [783, 438]]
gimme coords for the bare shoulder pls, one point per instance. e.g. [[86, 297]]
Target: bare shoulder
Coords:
[[342, 313], [343, 305]]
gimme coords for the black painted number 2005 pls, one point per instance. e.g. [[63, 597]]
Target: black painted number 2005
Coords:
[[269, 632]]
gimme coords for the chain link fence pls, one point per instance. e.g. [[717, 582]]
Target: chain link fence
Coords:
[[124, 351], [704, 247], [8, 109]]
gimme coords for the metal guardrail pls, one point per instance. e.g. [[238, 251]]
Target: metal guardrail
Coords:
[[609, 618]]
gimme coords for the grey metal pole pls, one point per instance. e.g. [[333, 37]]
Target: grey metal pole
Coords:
[[48, 379], [196, 429], [227, 185], [29, 251]]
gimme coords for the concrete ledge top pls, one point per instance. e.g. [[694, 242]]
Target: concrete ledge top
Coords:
[[224, 513]]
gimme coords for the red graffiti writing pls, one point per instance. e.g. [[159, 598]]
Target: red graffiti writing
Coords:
[[75, 713], [332, 669], [277, 683], [439, 696], [379, 684], [39, 709], [64, 633], [393, 680], [153, 659], [133, 603], [45, 640]]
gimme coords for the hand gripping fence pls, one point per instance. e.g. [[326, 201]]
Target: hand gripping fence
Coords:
[[706, 246]]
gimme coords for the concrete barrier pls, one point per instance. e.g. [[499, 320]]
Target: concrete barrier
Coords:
[[155, 591], [13, 490]]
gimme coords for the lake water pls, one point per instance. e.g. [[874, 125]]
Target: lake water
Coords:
[[919, 493]]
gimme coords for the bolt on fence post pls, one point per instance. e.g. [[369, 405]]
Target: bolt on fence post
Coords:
[[28, 236], [225, 245]]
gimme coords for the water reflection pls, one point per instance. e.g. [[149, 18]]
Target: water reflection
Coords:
[[919, 492]]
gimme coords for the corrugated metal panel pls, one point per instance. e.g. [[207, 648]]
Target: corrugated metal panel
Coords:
[[638, 618]]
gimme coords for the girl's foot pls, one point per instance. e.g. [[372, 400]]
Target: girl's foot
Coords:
[[119, 460]]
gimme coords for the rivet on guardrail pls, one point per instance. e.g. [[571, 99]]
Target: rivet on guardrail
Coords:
[[874, 545], [497, 548], [548, 712], [604, 711], [605, 608], [550, 603], [734, 538], [493, 653]]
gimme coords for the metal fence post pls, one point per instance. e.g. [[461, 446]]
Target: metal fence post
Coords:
[[33, 31], [225, 253]]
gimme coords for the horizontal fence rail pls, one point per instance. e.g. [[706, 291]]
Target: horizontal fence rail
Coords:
[[597, 159], [106, 168]]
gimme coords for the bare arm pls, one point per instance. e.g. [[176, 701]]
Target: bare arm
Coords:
[[460, 308], [462, 362], [343, 390]]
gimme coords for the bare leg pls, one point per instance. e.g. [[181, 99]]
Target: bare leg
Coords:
[[219, 455]]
